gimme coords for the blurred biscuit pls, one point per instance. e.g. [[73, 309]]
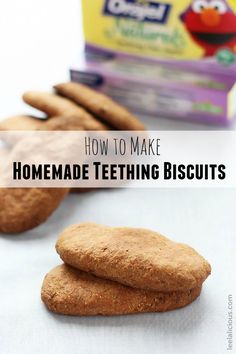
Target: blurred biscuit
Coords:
[[21, 122], [102, 106], [13, 128], [54, 105], [23, 209], [70, 123]]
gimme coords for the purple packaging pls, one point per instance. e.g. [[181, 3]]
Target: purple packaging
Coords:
[[160, 89], [170, 58]]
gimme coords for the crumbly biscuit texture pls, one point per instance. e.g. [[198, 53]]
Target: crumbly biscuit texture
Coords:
[[102, 106], [136, 257], [24, 209], [70, 291]]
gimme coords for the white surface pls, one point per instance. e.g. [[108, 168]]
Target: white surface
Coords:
[[39, 41]]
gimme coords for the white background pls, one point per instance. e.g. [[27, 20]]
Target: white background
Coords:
[[39, 41]]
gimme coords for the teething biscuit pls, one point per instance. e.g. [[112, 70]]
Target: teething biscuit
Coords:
[[21, 122], [72, 123], [100, 105], [70, 291], [135, 257], [24, 209], [54, 105], [49, 103]]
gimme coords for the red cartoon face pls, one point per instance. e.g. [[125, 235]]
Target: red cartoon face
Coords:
[[212, 24]]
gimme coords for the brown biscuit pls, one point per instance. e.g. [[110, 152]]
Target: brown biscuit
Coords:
[[69, 291], [24, 209], [28, 123], [71, 123], [54, 105], [50, 104], [21, 122], [135, 257], [102, 106]]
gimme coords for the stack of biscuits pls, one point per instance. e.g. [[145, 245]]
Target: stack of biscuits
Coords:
[[71, 107], [121, 270]]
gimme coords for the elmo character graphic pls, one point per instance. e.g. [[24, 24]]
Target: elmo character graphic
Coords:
[[211, 24]]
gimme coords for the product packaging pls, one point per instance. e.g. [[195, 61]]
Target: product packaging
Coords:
[[176, 57]]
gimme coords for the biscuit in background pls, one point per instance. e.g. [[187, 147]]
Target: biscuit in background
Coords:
[[23, 209], [21, 123], [18, 123], [53, 105], [70, 123], [102, 106]]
